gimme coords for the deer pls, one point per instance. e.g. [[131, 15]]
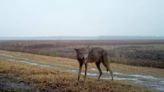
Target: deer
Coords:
[[95, 55]]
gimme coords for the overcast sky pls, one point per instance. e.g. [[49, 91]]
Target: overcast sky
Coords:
[[81, 18]]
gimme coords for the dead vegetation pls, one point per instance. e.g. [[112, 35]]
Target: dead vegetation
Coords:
[[47, 80], [149, 53], [128, 69]]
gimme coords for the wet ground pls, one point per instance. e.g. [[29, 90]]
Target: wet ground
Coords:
[[11, 84], [156, 83]]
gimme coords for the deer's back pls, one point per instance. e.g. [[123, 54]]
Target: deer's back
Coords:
[[96, 54]]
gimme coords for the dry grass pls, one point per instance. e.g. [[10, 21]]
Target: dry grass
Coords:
[[73, 63], [148, 53], [48, 80]]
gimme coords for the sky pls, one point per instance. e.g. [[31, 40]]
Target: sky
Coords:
[[19, 18]]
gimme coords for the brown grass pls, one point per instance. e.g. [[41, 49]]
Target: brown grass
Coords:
[[73, 63], [47, 80], [148, 53]]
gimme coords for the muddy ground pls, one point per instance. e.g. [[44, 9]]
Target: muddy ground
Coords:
[[12, 84]]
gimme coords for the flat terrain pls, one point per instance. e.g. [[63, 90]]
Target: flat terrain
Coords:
[[149, 53], [45, 73]]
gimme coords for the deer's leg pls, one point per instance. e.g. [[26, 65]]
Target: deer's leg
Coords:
[[80, 67], [111, 73], [107, 65], [85, 71], [98, 67]]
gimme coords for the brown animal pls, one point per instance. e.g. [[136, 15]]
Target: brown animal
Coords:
[[95, 55], [81, 55]]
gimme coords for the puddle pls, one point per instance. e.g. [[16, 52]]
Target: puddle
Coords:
[[153, 82], [1, 54], [148, 81], [93, 69], [90, 74]]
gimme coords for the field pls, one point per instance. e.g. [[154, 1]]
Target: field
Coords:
[[51, 66], [149, 53], [23, 72]]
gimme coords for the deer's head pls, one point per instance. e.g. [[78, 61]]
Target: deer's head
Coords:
[[81, 54]]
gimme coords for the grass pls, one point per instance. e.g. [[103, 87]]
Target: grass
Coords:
[[148, 53], [48, 80], [128, 69]]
